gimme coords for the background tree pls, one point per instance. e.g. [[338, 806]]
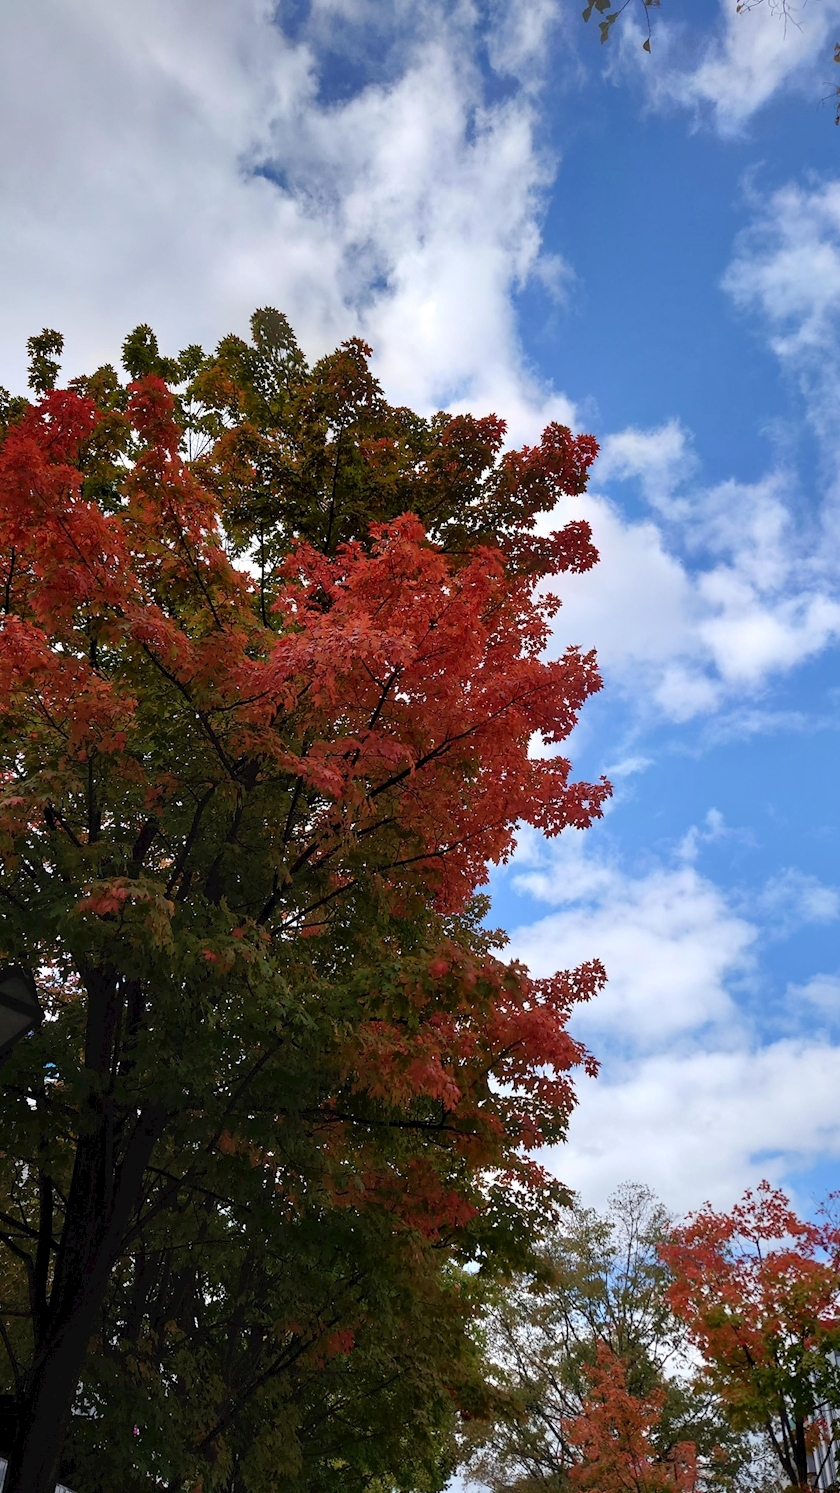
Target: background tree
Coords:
[[587, 1352], [270, 667], [759, 1290], [616, 1433]]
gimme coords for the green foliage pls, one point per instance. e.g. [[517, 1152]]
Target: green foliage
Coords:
[[322, 1354], [44, 350], [273, 1143], [600, 1281], [11, 409]]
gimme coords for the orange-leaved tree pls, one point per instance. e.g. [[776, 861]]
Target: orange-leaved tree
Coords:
[[614, 1438], [271, 662], [759, 1289]]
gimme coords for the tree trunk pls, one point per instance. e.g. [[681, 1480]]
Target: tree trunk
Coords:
[[800, 1444], [45, 1415], [90, 1245]]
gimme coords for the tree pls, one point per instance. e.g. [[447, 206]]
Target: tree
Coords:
[[271, 665], [597, 1301], [596, 1306], [759, 1290], [614, 1437], [310, 1363]]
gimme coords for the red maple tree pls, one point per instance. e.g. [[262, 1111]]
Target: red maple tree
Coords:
[[759, 1289], [263, 728], [614, 1440]]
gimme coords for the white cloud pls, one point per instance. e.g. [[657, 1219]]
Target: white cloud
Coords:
[[701, 606], [660, 459], [704, 1124], [668, 940], [628, 767], [748, 58], [637, 608], [714, 828], [821, 992], [450, 227], [786, 268], [694, 1098], [520, 36], [176, 164], [793, 899], [697, 607], [757, 54]]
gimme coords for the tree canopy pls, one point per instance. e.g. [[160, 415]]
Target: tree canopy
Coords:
[[593, 1383], [759, 1290], [271, 668]]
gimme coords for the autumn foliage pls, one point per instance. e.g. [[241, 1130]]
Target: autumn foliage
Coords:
[[271, 665], [759, 1289], [613, 1440]]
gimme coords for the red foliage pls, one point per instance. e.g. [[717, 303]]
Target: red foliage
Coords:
[[247, 805], [759, 1289], [400, 692], [406, 674], [737, 1295], [613, 1437]]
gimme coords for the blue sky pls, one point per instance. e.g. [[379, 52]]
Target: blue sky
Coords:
[[648, 247]]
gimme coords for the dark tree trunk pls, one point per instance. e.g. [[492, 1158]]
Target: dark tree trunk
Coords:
[[102, 1200], [45, 1415]]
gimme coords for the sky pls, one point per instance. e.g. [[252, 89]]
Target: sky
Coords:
[[645, 246]]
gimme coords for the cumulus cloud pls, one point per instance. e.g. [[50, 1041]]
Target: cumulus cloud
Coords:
[[703, 602], [668, 940], [692, 1096], [638, 609], [181, 165], [752, 54], [704, 1124]]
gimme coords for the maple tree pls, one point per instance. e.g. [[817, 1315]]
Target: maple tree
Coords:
[[272, 660], [596, 1304], [613, 1437], [759, 1289], [323, 1351]]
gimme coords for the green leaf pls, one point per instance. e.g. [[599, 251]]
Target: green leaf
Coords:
[[44, 353]]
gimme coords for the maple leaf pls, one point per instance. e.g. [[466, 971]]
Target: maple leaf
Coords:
[[612, 1436]]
